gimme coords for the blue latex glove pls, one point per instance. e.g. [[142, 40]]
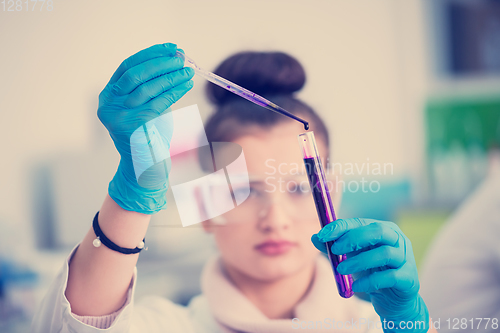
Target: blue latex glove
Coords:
[[380, 258], [136, 98]]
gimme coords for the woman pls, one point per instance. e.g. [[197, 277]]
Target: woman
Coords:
[[268, 276]]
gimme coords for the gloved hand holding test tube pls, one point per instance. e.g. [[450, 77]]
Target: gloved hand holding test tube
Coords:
[[324, 206]]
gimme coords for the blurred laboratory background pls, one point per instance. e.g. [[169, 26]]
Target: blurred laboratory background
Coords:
[[413, 84]]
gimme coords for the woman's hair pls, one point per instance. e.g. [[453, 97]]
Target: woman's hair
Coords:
[[273, 75]]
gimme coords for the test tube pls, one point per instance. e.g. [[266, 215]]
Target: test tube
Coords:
[[324, 207]]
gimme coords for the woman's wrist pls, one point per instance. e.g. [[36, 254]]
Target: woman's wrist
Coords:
[[100, 277], [124, 228]]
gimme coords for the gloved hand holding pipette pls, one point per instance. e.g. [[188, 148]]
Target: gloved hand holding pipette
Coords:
[[141, 90], [380, 257]]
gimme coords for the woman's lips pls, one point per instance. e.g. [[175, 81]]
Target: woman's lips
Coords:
[[273, 248]]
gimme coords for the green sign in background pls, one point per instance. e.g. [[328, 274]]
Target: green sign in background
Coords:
[[463, 120]]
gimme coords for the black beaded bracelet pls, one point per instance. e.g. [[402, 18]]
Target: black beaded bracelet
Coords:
[[102, 239]]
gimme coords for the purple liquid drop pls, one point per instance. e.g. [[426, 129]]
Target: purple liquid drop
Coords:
[[344, 282]]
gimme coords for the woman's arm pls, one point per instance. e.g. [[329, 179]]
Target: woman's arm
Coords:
[[134, 109], [99, 277]]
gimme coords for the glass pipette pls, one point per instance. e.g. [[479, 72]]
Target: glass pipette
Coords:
[[238, 90]]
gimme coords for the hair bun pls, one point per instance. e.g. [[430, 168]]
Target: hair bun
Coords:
[[264, 73]]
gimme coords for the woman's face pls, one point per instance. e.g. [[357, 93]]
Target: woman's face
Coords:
[[274, 242]]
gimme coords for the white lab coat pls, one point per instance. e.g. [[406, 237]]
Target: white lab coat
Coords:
[[220, 308]]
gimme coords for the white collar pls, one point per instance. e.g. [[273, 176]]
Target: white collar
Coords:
[[236, 313]]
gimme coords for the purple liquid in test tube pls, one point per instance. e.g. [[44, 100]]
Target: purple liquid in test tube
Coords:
[[324, 205]]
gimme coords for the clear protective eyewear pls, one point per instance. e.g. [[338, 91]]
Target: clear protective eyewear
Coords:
[[291, 193]]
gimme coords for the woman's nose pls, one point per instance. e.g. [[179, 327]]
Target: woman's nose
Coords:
[[275, 217]]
